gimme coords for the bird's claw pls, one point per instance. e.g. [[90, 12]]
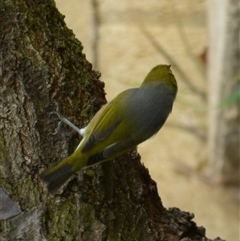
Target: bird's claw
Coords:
[[57, 112], [57, 129], [66, 121]]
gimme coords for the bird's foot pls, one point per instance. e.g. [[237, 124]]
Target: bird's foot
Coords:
[[66, 121]]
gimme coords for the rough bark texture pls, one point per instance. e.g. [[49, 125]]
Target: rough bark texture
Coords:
[[42, 62]]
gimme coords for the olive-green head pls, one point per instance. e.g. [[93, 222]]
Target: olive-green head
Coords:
[[163, 74]]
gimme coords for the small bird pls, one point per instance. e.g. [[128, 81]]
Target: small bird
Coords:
[[132, 117]]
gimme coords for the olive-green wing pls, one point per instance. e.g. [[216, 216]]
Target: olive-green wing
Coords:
[[109, 132]]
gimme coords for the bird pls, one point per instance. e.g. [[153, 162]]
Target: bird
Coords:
[[132, 117]]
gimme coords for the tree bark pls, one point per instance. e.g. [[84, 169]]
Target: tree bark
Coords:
[[42, 62]]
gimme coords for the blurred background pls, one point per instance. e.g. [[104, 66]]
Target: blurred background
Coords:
[[195, 157]]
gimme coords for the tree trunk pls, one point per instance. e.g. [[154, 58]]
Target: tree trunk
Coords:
[[42, 62], [223, 77]]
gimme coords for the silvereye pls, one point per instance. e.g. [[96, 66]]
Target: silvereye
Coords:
[[130, 118]]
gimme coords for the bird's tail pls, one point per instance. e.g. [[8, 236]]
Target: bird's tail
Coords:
[[58, 175]]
